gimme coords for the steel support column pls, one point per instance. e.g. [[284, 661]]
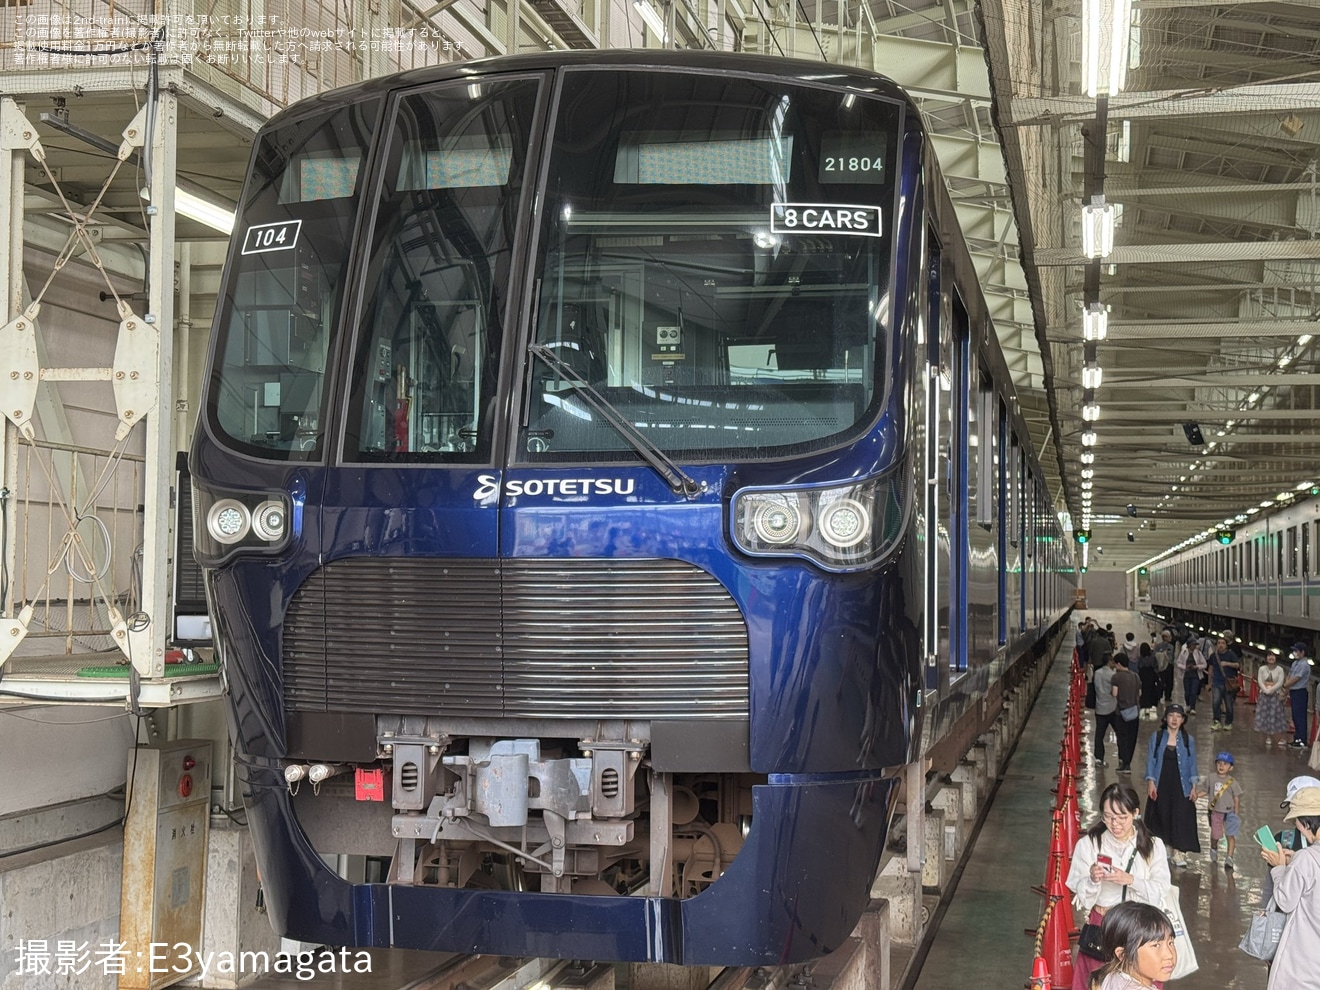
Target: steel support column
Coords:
[[148, 638], [13, 156]]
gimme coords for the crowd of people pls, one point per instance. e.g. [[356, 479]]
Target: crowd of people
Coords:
[[1122, 865]]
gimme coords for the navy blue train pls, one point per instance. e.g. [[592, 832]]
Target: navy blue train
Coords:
[[608, 478]]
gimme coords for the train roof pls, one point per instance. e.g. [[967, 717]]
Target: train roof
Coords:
[[801, 70]]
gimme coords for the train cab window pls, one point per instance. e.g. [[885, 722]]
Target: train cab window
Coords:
[[279, 310], [713, 263], [424, 372]]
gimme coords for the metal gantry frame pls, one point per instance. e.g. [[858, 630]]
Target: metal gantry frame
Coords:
[[147, 396]]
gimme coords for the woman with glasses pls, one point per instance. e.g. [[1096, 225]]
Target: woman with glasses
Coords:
[[1115, 861], [1171, 781]]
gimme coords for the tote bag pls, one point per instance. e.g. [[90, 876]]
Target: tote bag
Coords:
[[1187, 963], [1261, 939]]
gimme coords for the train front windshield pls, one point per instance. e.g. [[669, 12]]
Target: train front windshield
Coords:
[[711, 264]]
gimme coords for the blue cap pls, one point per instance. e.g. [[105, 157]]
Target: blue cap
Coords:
[[1225, 757], [1301, 648]]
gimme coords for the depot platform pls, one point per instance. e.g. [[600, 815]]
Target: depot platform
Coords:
[[981, 938]]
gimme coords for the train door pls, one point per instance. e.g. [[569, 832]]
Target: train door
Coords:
[[1306, 532], [983, 499], [1020, 532], [959, 483], [1003, 518], [1251, 602], [1277, 573], [937, 391], [1291, 583], [422, 439]]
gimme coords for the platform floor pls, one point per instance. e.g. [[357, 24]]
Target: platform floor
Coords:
[[980, 941]]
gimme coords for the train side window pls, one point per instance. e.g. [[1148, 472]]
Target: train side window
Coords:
[[1305, 533], [1014, 491], [1291, 551], [985, 437]]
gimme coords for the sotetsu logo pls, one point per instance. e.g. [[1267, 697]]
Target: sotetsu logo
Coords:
[[489, 485]]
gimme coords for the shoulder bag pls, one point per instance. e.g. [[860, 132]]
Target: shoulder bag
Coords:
[[1261, 939], [1186, 963], [1088, 942]]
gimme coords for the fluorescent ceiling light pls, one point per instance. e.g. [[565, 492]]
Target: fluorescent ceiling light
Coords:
[[653, 20], [1095, 322], [1088, 438], [1106, 27], [1091, 376], [1098, 228], [203, 211]]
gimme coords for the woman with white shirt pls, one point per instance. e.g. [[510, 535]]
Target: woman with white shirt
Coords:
[[1116, 860], [1271, 715]]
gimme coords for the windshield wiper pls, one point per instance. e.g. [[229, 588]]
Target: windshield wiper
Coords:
[[677, 479]]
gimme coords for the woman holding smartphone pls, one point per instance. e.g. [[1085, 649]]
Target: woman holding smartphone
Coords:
[[1296, 877], [1115, 861]]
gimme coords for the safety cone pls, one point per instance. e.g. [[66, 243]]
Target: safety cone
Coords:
[[1040, 975], [1056, 946]]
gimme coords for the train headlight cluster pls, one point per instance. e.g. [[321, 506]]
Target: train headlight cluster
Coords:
[[838, 528], [223, 524]]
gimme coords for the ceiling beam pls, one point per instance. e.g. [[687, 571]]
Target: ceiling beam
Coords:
[[1177, 254], [1182, 328], [968, 158], [1149, 415], [1208, 379], [1278, 98]]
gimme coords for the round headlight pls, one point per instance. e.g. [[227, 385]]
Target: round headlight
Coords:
[[228, 521], [844, 523], [776, 521], [268, 521]]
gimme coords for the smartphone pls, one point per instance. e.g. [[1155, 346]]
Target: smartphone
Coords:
[[1266, 839], [1106, 862]]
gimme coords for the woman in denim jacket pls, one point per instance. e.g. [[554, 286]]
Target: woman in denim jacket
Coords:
[[1171, 781]]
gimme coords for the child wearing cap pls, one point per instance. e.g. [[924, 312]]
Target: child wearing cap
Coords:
[[1225, 807]]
